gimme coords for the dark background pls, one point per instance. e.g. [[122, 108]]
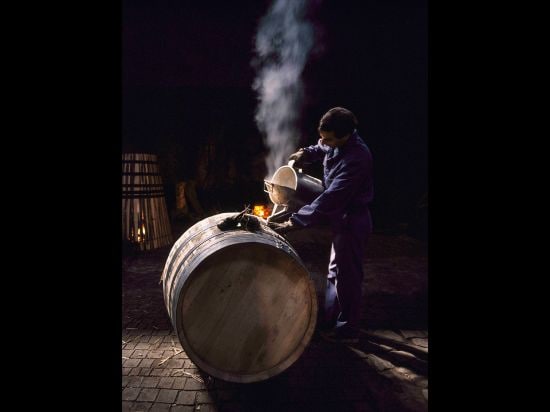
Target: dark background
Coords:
[[187, 79]]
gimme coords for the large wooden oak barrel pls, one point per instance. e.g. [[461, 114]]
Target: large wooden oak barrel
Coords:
[[242, 302], [145, 219]]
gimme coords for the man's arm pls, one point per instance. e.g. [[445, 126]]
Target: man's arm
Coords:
[[309, 154], [316, 152], [333, 201]]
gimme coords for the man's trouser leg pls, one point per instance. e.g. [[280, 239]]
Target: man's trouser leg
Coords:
[[349, 278], [332, 307]]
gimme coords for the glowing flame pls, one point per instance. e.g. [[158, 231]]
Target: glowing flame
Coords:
[[261, 211], [141, 233], [141, 228]]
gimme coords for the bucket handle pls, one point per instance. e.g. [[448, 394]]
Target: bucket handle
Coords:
[[291, 164]]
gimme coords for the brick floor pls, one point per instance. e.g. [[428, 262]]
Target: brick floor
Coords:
[[385, 371]]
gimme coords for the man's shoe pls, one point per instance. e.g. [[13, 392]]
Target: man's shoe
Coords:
[[337, 336]]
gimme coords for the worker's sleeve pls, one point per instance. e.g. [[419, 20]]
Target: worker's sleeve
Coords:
[[334, 200], [316, 152]]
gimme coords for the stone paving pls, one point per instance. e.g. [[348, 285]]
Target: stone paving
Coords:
[[386, 371]]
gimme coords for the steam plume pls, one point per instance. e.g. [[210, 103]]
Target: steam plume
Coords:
[[283, 42]]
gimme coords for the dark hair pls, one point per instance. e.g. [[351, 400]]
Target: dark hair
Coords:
[[338, 120]]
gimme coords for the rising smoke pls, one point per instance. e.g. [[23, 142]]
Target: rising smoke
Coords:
[[283, 43]]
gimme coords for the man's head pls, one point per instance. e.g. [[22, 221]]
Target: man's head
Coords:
[[336, 126]]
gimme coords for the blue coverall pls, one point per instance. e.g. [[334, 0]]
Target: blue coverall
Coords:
[[348, 182]]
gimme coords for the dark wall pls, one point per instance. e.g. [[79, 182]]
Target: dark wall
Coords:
[[187, 81]]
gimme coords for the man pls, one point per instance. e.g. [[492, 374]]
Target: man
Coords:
[[348, 182]]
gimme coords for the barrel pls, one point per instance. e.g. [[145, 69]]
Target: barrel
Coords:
[[145, 221], [241, 301]]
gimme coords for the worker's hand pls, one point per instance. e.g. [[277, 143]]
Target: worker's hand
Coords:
[[282, 228], [299, 158]]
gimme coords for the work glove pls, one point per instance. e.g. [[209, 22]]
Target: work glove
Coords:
[[299, 157], [282, 228]]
